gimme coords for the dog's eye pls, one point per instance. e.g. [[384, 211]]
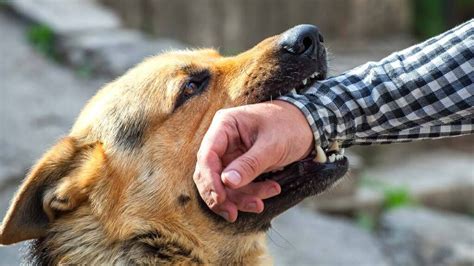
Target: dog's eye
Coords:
[[190, 88], [196, 84]]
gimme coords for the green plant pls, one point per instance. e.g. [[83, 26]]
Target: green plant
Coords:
[[395, 197], [42, 39], [365, 220], [84, 71], [429, 17]]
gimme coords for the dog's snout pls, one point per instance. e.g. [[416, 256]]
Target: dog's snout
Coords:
[[302, 39]]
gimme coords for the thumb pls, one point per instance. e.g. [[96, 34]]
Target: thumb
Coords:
[[248, 166]]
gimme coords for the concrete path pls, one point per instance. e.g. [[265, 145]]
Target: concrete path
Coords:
[[39, 100]]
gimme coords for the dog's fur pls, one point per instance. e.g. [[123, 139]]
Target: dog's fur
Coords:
[[119, 188]]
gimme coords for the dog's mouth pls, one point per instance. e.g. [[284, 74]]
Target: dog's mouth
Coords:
[[306, 83], [307, 177], [299, 180]]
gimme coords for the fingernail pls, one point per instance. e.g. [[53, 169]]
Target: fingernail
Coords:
[[251, 206], [273, 191], [233, 177], [225, 215]]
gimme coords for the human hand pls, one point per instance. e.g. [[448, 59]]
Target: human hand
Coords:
[[242, 143]]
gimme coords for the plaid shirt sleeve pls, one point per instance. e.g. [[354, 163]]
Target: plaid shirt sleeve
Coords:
[[423, 92]]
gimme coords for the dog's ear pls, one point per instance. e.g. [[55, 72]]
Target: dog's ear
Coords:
[[59, 182]]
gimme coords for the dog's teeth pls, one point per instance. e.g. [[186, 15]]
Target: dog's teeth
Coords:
[[342, 151], [277, 170], [305, 81], [293, 90], [320, 155], [313, 75], [339, 157], [332, 158], [334, 146]]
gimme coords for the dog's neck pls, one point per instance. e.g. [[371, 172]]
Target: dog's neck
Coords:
[[83, 240]]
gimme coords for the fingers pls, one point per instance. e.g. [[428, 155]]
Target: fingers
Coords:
[[263, 190], [248, 166], [245, 202], [249, 198], [226, 144], [227, 210], [209, 166], [208, 181]]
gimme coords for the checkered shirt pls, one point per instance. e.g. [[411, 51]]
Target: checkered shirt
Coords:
[[423, 92]]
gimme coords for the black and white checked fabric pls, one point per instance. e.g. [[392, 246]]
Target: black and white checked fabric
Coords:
[[423, 92]]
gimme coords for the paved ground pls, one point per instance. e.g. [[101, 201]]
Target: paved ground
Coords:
[[38, 102]]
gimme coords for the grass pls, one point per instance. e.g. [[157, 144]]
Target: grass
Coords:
[[393, 197], [84, 71], [41, 37], [429, 18], [366, 221]]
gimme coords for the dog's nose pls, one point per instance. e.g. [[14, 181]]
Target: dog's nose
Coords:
[[302, 39]]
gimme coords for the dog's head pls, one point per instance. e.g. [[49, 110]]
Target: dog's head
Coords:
[[120, 187]]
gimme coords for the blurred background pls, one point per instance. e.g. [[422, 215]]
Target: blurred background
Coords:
[[401, 204]]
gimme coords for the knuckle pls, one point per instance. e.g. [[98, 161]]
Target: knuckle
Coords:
[[221, 113], [207, 198], [225, 117], [250, 164], [201, 155], [204, 157], [211, 203], [197, 176]]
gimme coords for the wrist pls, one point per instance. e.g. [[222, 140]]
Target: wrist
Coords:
[[296, 122]]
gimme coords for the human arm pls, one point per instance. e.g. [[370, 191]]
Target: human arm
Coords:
[[425, 91]]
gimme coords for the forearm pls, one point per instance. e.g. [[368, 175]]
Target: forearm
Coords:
[[425, 91]]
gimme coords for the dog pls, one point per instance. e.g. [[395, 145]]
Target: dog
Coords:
[[119, 188]]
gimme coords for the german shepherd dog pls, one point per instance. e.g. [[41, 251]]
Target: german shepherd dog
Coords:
[[119, 188]]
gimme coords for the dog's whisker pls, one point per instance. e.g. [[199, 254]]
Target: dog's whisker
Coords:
[[281, 236]]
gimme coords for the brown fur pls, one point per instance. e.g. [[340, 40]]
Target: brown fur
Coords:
[[119, 188]]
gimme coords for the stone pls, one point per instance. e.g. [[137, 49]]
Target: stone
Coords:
[[302, 237], [115, 60], [97, 44], [419, 236], [39, 101], [80, 49], [239, 24], [442, 180], [66, 17]]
